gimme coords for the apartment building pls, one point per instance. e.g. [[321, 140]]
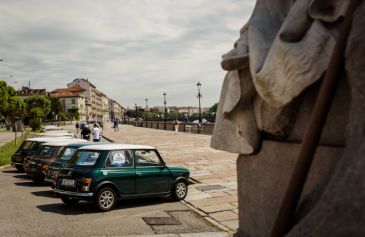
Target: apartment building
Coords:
[[116, 110], [105, 108], [90, 94], [72, 98]]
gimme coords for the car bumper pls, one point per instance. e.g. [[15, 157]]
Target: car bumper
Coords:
[[17, 163], [49, 180], [74, 194]]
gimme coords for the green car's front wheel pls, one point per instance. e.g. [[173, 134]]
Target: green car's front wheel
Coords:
[[180, 190], [105, 199]]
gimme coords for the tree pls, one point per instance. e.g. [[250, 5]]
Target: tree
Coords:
[[56, 108], [73, 114], [4, 97], [16, 107], [39, 104], [213, 109]]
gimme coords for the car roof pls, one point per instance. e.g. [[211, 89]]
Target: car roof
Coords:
[[56, 135], [41, 139], [64, 142], [51, 126], [78, 144], [114, 146]]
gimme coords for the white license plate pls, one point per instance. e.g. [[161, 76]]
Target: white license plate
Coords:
[[68, 182]]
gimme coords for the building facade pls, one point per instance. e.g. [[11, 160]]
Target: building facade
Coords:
[[72, 100], [90, 97], [26, 91]]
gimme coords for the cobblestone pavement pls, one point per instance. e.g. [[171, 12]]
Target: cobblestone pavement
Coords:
[[214, 193]]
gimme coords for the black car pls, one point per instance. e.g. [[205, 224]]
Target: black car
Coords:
[[28, 148], [63, 157]]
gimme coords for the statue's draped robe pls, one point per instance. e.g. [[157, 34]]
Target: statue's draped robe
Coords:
[[283, 49]]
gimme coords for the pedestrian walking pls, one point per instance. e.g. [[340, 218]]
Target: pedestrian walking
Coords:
[[96, 133], [176, 126], [85, 133], [115, 122], [77, 127]]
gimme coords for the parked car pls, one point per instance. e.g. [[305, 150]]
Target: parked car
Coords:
[[56, 133], [108, 172], [37, 166], [51, 128], [28, 148], [62, 159]]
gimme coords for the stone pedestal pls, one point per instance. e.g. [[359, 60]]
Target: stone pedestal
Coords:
[[263, 178]]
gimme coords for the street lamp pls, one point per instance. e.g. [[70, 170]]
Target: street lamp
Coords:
[[164, 117], [199, 96], [135, 105], [146, 102]]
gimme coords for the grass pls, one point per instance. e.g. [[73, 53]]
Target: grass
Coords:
[[9, 149]]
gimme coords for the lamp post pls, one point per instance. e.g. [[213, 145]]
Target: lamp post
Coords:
[[146, 102], [164, 117], [135, 105], [199, 96]]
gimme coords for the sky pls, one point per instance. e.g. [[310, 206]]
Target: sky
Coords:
[[129, 49]]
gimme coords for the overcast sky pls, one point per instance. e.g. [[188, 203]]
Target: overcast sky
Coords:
[[129, 49]]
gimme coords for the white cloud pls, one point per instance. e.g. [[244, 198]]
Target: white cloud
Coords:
[[130, 49]]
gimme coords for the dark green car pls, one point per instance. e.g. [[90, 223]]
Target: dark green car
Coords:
[[107, 172]]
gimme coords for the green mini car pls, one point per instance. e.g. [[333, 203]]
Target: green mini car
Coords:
[[107, 172]]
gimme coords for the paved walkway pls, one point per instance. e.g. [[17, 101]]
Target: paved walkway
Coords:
[[214, 195], [6, 136]]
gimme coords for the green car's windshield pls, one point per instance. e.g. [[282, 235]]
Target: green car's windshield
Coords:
[[84, 158], [66, 153]]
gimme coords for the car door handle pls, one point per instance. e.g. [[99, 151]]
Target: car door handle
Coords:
[[139, 174]]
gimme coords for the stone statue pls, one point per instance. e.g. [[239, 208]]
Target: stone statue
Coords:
[[283, 49], [273, 77]]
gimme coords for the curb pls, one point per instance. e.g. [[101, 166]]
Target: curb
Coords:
[[108, 139], [207, 218], [5, 166]]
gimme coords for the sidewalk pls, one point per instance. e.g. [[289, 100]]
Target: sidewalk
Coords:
[[214, 192], [6, 136]]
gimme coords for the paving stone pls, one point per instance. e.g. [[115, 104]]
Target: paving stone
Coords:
[[224, 216], [206, 234], [216, 208], [197, 196], [161, 221], [233, 225], [210, 187]]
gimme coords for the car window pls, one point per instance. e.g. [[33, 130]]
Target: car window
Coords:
[[119, 158], [26, 145], [47, 151], [67, 152], [147, 158], [85, 158]]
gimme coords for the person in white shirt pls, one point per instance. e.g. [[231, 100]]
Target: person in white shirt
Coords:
[[96, 133]]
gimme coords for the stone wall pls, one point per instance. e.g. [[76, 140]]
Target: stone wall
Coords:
[[183, 127]]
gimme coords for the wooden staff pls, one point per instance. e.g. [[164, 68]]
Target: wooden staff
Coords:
[[285, 218]]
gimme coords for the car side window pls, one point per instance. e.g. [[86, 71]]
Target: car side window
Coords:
[[147, 158], [119, 158]]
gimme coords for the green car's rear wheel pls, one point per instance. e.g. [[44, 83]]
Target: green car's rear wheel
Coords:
[[180, 190], [105, 199]]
